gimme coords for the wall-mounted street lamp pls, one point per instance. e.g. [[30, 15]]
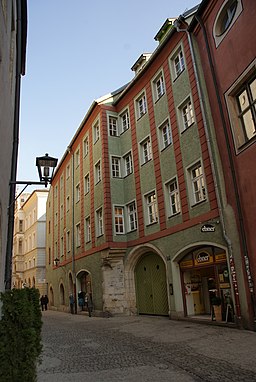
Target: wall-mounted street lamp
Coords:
[[56, 261], [45, 167]]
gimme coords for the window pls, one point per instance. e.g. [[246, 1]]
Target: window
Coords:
[[173, 196], [187, 115], [112, 126], [96, 132], [226, 17], [128, 164], [159, 87], [125, 121], [61, 211], [56, 218], [55, 195], [119, 220], [88, 229], [77, 158], [68, 204], [97, 173], [87, 184], [242, 111], [99, 222], [141, 106], [20, 225], [178, 63], [78, 235], [61, 181], [68, 241], [166, 135], [115, 167], [77, 192], [152, 208], [198, 183], [132, 216], [61, 246], [68, 171], [146, 154], [86, 146]]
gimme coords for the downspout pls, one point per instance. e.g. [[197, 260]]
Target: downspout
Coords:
[[73, 227], [233, 172], [20, 43], [217, 192]]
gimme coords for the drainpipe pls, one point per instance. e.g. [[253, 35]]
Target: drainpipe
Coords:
[[21, 36], [217, 192], [233, 172], [73, 226]]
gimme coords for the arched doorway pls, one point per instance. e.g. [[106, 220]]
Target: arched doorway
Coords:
[[84, 282], [62, 295], [51, 297], [151, 287]]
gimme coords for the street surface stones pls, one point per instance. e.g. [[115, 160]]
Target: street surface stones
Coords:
[[143, 349]]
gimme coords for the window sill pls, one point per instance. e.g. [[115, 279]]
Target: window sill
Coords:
[[187, 128], [161, 96], [178, 76], [166, 147], [150, 224], [141, 116], [173, 215], [144, 163], [98, 236], [198, 203]]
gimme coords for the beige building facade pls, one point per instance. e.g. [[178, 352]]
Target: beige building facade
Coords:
[[29, 241]]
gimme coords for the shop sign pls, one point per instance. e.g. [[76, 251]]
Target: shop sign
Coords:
[[203, 258], [186, 263], [208, 228], [220, 257]]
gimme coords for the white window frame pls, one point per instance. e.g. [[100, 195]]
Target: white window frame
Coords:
[[96, 132], [128, 163], [86, 146], [132, 222], [218, 34], [78, 235], [99, 222], [146, 150], [78, 192], [112, 125], [124, 118], [68, 171], [166, 134], [187, 114], [87, 229], [141, 105], [240, 132], [97, 172], [151, 207], [67, 203], [197, 183], [115, 167], [173, 196], [158, 86], [119, 220], [87, 183], [68, 241], [77, 158], [177, 62]]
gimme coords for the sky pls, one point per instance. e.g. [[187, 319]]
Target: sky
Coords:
[[78, 51]]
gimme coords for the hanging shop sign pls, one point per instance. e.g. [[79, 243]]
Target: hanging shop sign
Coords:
[[203, 258], [208, 228]]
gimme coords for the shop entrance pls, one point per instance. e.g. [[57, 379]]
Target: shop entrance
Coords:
[[205, 279], [151, 289]]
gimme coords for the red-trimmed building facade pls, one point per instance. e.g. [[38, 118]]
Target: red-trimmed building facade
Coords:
[[135, 214]]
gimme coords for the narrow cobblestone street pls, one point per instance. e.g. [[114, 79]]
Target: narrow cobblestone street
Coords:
[[78, 348]]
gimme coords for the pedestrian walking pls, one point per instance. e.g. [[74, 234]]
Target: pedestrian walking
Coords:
[[88, 303], [81, 299], [46, 301], [71, 303], [42, 302]]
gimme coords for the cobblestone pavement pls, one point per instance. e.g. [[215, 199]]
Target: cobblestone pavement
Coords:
[[142, 349]]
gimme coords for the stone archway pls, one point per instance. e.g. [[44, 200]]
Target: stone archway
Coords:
[[132, 260]]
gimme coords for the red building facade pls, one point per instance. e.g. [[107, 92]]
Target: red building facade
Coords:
[[225, 35]]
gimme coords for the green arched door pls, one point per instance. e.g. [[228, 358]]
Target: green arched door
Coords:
[[151, 290]]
